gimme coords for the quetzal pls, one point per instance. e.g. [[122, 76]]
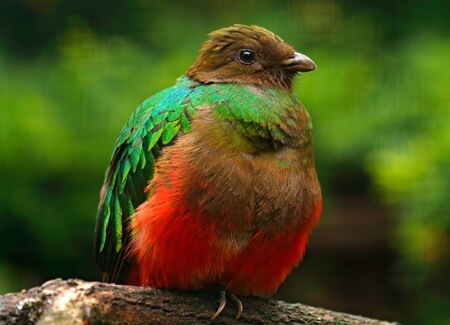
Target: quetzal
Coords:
[[212, 181]]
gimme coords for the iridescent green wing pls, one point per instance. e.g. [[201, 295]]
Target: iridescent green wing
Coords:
[[155, 124]]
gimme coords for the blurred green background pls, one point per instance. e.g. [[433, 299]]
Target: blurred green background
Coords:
[[72, 72]]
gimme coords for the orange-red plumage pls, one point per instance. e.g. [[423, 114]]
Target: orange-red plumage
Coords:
[[176, 241], [171, 250]]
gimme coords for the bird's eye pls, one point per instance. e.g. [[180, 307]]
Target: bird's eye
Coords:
[[246, 56]]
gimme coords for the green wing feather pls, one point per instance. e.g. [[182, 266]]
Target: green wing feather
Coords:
[[153, 125]]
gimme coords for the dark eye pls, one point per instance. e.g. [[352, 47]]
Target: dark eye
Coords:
[[246, 56]]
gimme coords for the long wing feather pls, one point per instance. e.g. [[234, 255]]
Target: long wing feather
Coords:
[[155, 124]]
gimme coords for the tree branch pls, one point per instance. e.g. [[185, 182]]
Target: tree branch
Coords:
[[78, 302]]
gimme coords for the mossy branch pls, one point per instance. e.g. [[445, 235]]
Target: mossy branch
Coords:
[[78, 302]]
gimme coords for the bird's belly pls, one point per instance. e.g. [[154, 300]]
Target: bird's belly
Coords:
[[195, 222], [265, 263], [287, 205], [223, 219]]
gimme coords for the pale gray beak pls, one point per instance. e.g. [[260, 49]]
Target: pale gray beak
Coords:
[[301, 63]]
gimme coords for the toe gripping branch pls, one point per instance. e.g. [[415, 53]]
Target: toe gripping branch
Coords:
[[223, 293]]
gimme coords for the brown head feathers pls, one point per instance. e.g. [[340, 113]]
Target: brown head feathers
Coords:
[[248, 54]]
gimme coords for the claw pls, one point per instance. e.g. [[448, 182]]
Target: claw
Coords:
[[238, 304], [223, 301]]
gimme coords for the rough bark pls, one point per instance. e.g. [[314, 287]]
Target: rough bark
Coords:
[[79, 302]]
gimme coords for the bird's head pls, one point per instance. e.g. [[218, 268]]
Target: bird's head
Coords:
[[248, 54]]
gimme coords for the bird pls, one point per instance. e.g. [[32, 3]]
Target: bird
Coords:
[[212, 181]]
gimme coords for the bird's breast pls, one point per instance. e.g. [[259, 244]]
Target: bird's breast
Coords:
[[246, 190], [286, 191]]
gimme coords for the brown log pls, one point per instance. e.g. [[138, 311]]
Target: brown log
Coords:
[[78, 302]]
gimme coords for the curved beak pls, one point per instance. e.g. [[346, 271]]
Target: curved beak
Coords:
[[301, 63]]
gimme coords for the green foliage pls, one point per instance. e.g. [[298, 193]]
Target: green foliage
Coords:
[[60, 118], [411, 169]]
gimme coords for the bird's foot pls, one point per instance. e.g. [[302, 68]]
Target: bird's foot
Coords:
[[223, 293]]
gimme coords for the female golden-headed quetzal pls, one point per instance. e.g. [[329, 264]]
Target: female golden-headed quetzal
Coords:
[[212, 181]]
